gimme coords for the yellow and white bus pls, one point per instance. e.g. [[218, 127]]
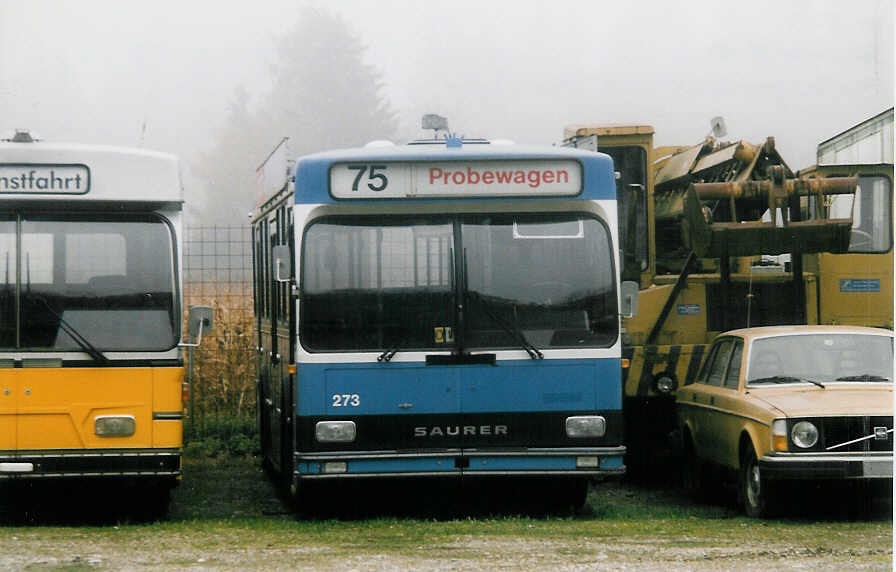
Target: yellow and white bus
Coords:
[[91, 373]]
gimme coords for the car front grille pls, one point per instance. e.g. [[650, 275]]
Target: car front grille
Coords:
[[839, 430]]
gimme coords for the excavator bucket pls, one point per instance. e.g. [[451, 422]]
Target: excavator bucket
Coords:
[[709, 239]]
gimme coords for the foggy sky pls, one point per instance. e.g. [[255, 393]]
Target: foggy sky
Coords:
[[160, 74]]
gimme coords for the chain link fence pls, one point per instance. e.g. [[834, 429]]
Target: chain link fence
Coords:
[[218, 273]]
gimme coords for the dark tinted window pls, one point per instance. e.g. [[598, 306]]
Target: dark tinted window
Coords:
[[107, 279], [374, 283]]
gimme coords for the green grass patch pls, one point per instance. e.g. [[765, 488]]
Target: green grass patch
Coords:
[[221, 437]]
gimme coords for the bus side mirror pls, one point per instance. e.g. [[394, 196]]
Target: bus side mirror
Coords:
[[628, 292], [282, 263], [199, 321]]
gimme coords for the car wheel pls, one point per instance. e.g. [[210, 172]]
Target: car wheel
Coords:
[[754, 488]]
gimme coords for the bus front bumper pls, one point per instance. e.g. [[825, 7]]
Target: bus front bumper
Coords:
[[461, 463], [63, 463]]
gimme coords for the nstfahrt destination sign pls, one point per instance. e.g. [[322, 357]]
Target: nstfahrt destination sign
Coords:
[[67, 179]]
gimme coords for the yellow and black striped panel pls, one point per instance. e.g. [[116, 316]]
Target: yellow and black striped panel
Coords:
[[683, 361]]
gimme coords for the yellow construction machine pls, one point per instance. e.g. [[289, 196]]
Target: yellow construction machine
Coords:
[[723, 235]]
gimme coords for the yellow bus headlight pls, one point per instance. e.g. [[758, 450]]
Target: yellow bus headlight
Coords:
[[115, 425]]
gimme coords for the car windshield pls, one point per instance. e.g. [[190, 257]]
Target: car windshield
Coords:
[[814, 358]]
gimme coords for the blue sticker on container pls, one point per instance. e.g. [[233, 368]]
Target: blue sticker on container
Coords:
[[688, 309], [860, 285]]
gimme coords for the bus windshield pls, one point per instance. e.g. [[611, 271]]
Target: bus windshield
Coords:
[[470, 282], [108, 279]]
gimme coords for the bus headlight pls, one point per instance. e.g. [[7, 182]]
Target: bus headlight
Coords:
[[114, 425], [664, 383], [586, 426], [335, 431], [804, 434]]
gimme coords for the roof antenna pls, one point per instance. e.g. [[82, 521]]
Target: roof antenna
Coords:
[[717, 127], [143, 131]]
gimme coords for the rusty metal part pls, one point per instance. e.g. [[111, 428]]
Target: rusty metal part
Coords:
[[742, 238], [777, 191], [788, 187]]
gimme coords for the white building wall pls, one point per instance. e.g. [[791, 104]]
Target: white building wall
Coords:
[[868, 142]]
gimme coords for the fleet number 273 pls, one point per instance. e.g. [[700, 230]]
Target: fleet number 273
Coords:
[[346, 400]]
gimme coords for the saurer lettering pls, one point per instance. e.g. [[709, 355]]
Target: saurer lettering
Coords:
[[457, 430]]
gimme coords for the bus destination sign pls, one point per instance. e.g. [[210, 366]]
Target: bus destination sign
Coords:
[[394, 180], [44, 179]]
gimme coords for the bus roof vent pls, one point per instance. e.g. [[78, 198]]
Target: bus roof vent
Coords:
[[22, 136], [380, 143], [447, 141]]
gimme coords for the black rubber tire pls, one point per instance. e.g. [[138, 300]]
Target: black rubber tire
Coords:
[[754, 490]]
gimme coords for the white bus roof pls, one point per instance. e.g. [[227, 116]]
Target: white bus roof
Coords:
[[45, 171]]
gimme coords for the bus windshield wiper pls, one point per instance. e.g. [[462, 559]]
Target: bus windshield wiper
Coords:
[[785, 379], [533, 352], [863, 377], [388, 354], [89, 348]]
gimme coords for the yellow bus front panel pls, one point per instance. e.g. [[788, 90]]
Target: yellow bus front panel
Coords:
[[59, 408], [57, 422]]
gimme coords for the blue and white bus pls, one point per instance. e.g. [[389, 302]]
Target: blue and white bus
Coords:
[[448, 308]]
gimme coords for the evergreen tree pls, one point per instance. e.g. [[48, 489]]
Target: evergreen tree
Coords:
[[323, 96]]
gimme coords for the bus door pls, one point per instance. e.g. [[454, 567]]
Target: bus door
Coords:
[[535, 283], [271, 358], [282, 346]]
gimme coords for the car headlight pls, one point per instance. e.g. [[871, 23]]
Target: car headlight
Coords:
[[804, 434], [335, 431], [586, 426]]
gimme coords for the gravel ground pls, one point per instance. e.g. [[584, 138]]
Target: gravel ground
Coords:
[[227, 517], [34, 550]]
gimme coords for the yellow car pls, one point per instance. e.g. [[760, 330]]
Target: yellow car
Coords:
[[790, 403]]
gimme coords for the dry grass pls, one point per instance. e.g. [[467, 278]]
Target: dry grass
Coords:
[[224, 368]]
